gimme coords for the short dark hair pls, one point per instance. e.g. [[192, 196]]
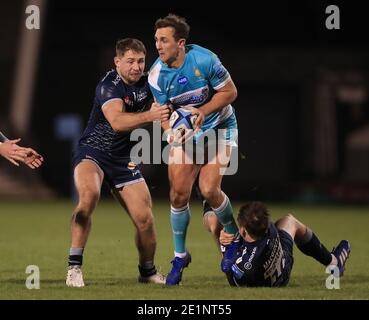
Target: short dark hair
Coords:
[[254, 217], [179, 24], [123, 45]]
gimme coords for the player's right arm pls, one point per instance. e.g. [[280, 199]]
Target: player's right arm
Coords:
[[166, 127], [114, 110], [121, 121]]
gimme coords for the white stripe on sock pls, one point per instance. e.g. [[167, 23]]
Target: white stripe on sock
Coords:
[[223, 205], [180, 254], [179, 210]]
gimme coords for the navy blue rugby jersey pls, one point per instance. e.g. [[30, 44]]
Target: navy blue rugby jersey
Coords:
[[260, 263], [99, 134]]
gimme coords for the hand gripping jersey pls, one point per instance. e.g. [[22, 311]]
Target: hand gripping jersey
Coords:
[[193, 84], [98, 133]]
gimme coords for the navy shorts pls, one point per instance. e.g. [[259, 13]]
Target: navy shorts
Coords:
[[118, 172], [287, 247]]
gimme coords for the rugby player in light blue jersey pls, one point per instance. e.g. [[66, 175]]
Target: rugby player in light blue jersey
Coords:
[[193, 77]]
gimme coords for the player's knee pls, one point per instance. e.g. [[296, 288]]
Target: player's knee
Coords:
[[288, 219], [290, 216], [179, 198], [86, 207], [88, 199], [81, 216], [145, 223], [210, 192], [291, 219]]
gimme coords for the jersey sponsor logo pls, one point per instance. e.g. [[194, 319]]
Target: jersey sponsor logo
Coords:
[[198, 99], [276, 252], [220, 71], [116, 80], [247, 265], [251, 256], [140, 95], [195, 97], [182, 80], [274, 265]]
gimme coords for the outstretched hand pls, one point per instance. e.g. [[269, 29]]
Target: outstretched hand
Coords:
[[15, 154], [33, 159]]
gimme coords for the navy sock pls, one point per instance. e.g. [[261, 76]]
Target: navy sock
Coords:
[[314, 248], [75, 257], [147, 272]]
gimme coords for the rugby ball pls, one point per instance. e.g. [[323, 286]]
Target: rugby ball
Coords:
[[182, 119]]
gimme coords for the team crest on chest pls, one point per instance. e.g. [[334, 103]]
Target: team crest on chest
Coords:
[[128, 101], [135, 98], [197, 72]]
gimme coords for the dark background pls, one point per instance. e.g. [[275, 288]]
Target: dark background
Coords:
[[281, 58]]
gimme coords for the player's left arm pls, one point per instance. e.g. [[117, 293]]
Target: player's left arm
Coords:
[[222, 98], [225, 90], [225, 238]]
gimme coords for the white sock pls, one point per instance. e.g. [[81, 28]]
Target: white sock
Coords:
[[180, 254], [334, 261]]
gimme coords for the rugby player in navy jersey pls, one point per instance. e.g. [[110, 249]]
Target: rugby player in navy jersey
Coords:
[[14, 153], [103, 153], [265, 257]]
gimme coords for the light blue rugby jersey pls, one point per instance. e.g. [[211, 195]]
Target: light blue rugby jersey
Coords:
[[193, 84]]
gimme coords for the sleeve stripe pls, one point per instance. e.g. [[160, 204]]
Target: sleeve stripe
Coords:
[[221, 85], [154, 77], [104, 104], [237, 272]]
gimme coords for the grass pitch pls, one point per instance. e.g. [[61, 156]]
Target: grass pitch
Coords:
[[38, 234]]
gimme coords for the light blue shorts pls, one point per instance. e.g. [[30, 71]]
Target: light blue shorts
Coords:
[[225, 132]]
